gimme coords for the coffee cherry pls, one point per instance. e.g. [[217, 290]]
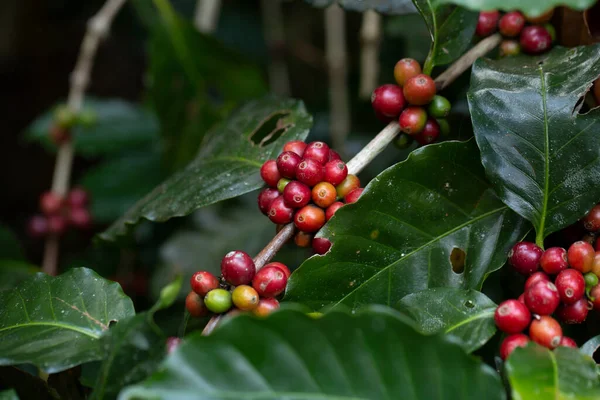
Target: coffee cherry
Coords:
[[419, 90], [487, 23], [511, 24], [511, 316], [309, 218], [281, 266], [270, 281], [590, 279], [80, 218], [429, 134], [296, 194], [335, 172], [525, 257], [218, 301], [37, 226], [554, 260], [510, 343], [310, 172], [334, 155], [406, 69], [203, 282], [266, 307], [237, 268], [545, 331], [403, 141], [57, 224], [388, 100], [50, 203], [265, 198], [509, 48], [283, 182], [318, 151], [303, 239], [534, 278], [412, 120], [59, 134], [570, 285], [78, 198], [287, 162], [349, 184], [280, 213], [324, 194], [332, 209], [595, 297], [270, 173], [439, 107], [295, 146], [568, 342], [535, 39], [542, 298], [245, 297], [321, 245], [172, 344], [521, 298], [542, 19], [581, 256], [195, 305], [353, 196], [575, 313], [591, 221]]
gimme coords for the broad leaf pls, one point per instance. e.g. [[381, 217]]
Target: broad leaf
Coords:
[[388, 7], [373, 355], [591, 346], [529, 7], [465, 314], [227, 165], [430, 221], [541, 155], [56, 322], [12, 272], [537, 373]]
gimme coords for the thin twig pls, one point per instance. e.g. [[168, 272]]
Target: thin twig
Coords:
[[97, 29], [370, 39], [274, 32], [274, 246], [207, 15]]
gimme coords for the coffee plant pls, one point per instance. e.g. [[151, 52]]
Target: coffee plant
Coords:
[[461, 263]]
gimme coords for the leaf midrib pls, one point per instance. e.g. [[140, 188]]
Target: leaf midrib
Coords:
[[53, 324], [540, 232], [485, 314]]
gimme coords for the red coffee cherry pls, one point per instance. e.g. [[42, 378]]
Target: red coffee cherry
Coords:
[[510, 343], [303, 239], [265, 198], [525, 257], [534, 278], [57, 224], [279, 213], [595, 297], [335, 172], [575, 313], [554, 260], [511, 24], [195, 305], [349, 184], [542, 298], [296, 194], [353, 196], [568, 342], [596, 265], [287, 162], [245, 297], [331, 210], [51, 203], [334, 155], [535, 39], [80, 218], [295, 146], [310, 172], [419, 90], [324, 194], [511, 316], [509, 48], [270, 281], [37, 226], [521, 298], [270, 173], [318, 151], [545, 331], [581, 256], [78, 198], [203, 282], [591, 221], [59, 134], [487, 23], [429, 134], [388, 100], [406, 69], [412, 120], [281, 266], [238, 268], [570, 285], [266, 307], [309, 218], [321, 245]]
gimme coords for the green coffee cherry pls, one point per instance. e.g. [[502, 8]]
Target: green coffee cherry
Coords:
[[403, 141], [282, 184], [87, 118], [591, 279], [64, 117], [551, 30], [218, 300], [439, 107]]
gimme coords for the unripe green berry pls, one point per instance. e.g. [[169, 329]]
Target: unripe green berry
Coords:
[[282, 184], [87, 118], [403, 141], [64, 117], [439, 107], [591, 279], [218, 301], [551, 30]]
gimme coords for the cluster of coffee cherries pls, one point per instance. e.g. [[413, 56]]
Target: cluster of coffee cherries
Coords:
[[58, 214], [414, 103], [64, 120], [518, 36], [241, 288], [307, 184]]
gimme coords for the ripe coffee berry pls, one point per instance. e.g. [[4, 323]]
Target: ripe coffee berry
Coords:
[[270, 281], [296, 194], [568, 342], [353, 196], [554, 260], [542, 298], [534, 278], [296, 146], [321, 245], [266, 307], [195, 305], [265, 198], [332, 209], [309, 218], [245, 297], [509, 48], [570, 285], [406, 69], [412, 120], [521, 298], [57, 224], [281, 266], [487, 23], [59, 134], [511, 316], [78, 198], [535, 39], [545, 331], [419, 90], [279, 212], [334, 155], [439, 107], [270, 173], [525, 257], [238, 268], [310, 172], [575, 313], [324, 194], [283, 182], [335, 172], [429, 134], [80, 218], [303, 239], [218, 301], [388, 100], [581, 256], [50, 203], [511, 24], [596, 264], [349, 184], [287, 162], [510, 343], [37, 226], [203, 282], [317, 151], [591, 221]]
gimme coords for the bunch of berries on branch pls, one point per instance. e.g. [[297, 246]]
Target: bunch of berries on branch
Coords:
[[535, 38], [241, 288], [307, 184], [58, 214], [413, 103]]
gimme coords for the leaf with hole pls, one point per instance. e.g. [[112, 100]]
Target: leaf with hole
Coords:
[[533, 8], [590, 347], [541, 155], [388, 7], [56, 323], [401, 235]]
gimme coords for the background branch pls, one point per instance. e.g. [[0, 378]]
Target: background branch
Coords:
[[274, 33], [370, 39]]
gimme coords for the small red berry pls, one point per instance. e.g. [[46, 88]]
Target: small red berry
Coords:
[[595, 297], [525, 257], [575, 313], [59, 134], [581, 256], [50, 203], [353, 196], [335, 172], [303, 239], [487, 23], [203, 282], [281, 266], [535, 39], [570, 285], [37, 226], [57, 224], [419, 90], [172, 344], [534, 278], [511, 24], [331, 210], [296, 194], [596, 264], [80, 218], [412, 120], [510, 343], [545, 331], [568, 342], [296, 146], [406, 69], [591, 221], [270, 281], [269, 173], [238, 268], [279, 213], [309, 218], [388, 100], [430, 132], [334, 155], [321, 245], [511, 316], [78, 198], [195, 305], [287, 162], [349, 184], [554, 260], [266, 307], [310, 172], [318, 151], [521, 298], [265, 198], [324, 194], [542, 298]]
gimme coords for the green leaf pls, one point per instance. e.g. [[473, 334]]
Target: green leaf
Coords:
[[590, 347], [465, 314], [373, 355], [541, 155], [12, 272], [529, 7], [119, 126], [9, 395], [409, 230], [537, 373], [10, 248], [227, 165], [55, 323], [388, 7]]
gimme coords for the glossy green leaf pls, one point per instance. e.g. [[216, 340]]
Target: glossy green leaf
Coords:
[[537, 373], [541, 155], [373, 355], [56, 322], [118, 126], [407, 231], [529, 7], [227, 165], [388, 7], [465, 314], [591, 346]]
